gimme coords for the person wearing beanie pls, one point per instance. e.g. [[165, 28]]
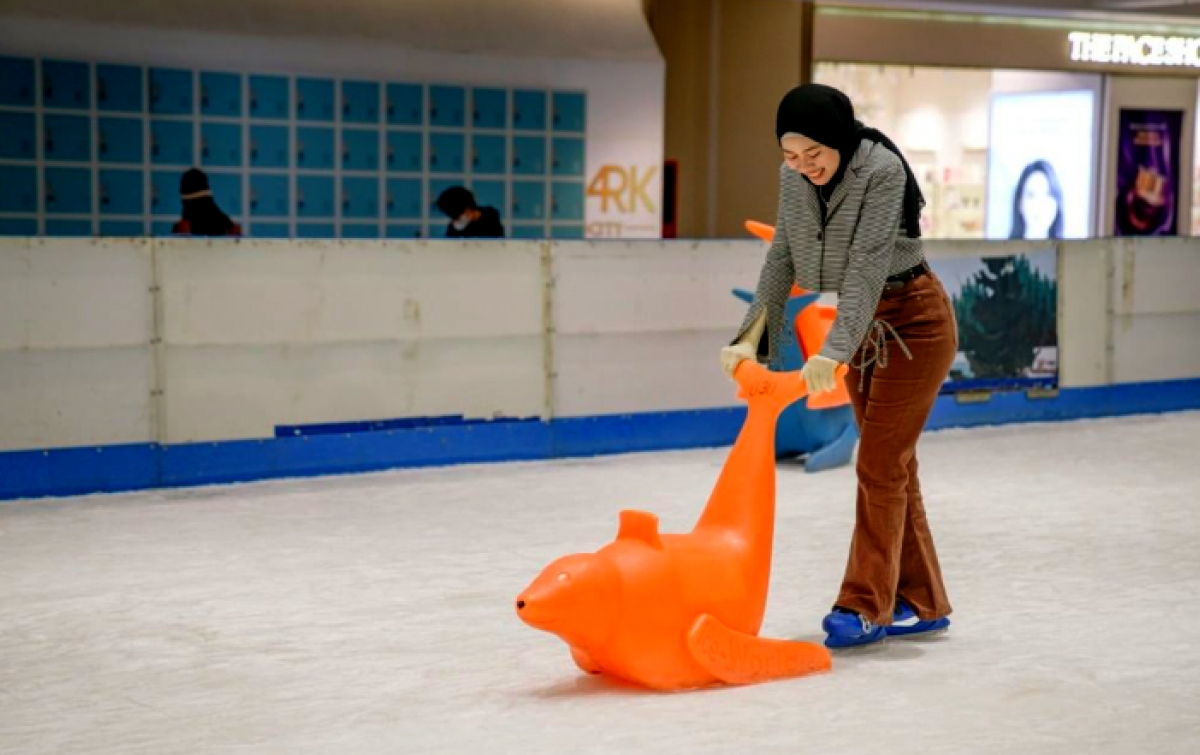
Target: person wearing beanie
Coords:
[[467, 220], [201, 215], [849, 222]]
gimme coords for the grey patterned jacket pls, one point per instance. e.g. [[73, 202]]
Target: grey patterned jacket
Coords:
[[861, 244]]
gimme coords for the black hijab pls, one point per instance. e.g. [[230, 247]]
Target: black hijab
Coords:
[[826, 115], [200, 210]]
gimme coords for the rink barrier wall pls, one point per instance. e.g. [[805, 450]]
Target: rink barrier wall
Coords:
[[110, 469], [177, 361]]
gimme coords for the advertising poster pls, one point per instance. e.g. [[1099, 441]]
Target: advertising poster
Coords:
[[1148, 172], [1040, 165], [1007, 312]]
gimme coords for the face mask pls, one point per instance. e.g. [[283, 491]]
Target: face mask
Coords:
[[462, 223]]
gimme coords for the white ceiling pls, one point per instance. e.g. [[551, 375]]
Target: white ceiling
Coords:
[[605, 29]]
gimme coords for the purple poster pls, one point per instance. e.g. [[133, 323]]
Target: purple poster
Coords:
[[1148, 172]]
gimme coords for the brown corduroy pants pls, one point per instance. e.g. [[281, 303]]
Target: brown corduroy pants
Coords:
[[892, 552]]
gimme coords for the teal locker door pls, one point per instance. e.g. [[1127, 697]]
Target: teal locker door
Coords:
[[529, 111], [406, 152], [360, 149], [227, 192], [269, 195], [17, 82], [489, 155], [67, 138], [221, 145], [403, 198], [269, 146], [447, 106], [171, 143], [314, 148], [221, 94], [119, 89], [360, 102], [528, 200], [269, 97], [67, 191], [570, 112], [446, 152], [120, 140], [164, 193], [18, 136], [314, 100], [489, 108], [566, 200], [66, 85], [405, 104], [171, 92], [314, 196], [122, 192], [20, 188]]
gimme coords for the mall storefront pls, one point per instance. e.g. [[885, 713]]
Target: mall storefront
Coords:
[[1028, 128]]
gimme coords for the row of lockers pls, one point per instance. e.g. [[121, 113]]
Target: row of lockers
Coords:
[[68, 138], [70, 191], [133, 89], [273, 229]]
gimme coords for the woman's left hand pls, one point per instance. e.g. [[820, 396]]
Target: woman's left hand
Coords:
[[820, 374]]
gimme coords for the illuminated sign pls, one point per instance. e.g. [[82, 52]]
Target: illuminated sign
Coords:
[[1143, 50]]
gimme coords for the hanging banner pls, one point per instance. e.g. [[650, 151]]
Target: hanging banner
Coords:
[[1148, 173]]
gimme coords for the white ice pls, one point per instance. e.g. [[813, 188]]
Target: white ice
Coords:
[[374, 614]]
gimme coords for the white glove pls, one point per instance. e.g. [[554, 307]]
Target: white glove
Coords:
[[819, 374], [732, 356], [746, 348]]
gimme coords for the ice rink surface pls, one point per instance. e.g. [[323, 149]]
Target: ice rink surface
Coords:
[[374, 614]]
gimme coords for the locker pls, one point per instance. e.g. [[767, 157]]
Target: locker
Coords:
[[227, 192], [360, 149], [269, 231], [529, 111], [68, 228], [171, 92], [122, 192], [567, 156], [566, 200], [221, 94], [405, 104], [447, 106], [164, 193], [489, 155], [446, 153], [491, 194], [569, 112], [359, 231], [314, 196], [269, 146], [18, 227], [269, 97], [360, 102], [314, 148], [66, 85], [406, 231], [67, 191], [528, 200], [405, 151], [269, 195], [119, 89], [489, 108], [360, 197], [20, 188], [171, 143], [162, 228], [18, 136], [221, 144], [566, 231], [314, 100], [315, 231], [403, 198], [67, 138], [123, 228], [120, 140], [17, 82], [527, 231], [529, 155]]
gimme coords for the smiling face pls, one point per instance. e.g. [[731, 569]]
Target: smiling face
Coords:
[[813, 160]]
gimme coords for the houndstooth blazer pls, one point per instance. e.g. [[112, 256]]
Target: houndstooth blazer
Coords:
[[861, 243]]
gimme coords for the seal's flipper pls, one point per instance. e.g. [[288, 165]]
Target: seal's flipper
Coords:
[[640, 525], [737, 658], [584, 661]]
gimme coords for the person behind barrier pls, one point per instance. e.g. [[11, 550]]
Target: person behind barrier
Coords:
[[201, 215], [849, 222], [468, 220]]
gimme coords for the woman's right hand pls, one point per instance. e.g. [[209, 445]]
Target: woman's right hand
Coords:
[[732, 356]]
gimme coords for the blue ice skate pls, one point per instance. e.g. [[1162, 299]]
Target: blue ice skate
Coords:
[[905, 622], [847, 629]]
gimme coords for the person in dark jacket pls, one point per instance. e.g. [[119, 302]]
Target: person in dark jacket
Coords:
[[467, 219], [201, 215]]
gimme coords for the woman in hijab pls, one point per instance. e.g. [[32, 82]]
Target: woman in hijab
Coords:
[[201, 215], [849, 222]]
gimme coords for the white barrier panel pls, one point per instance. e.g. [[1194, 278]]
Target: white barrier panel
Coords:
[[638, 326], [1083, 358], [75, 327], [260, 333], [1155, 325]]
